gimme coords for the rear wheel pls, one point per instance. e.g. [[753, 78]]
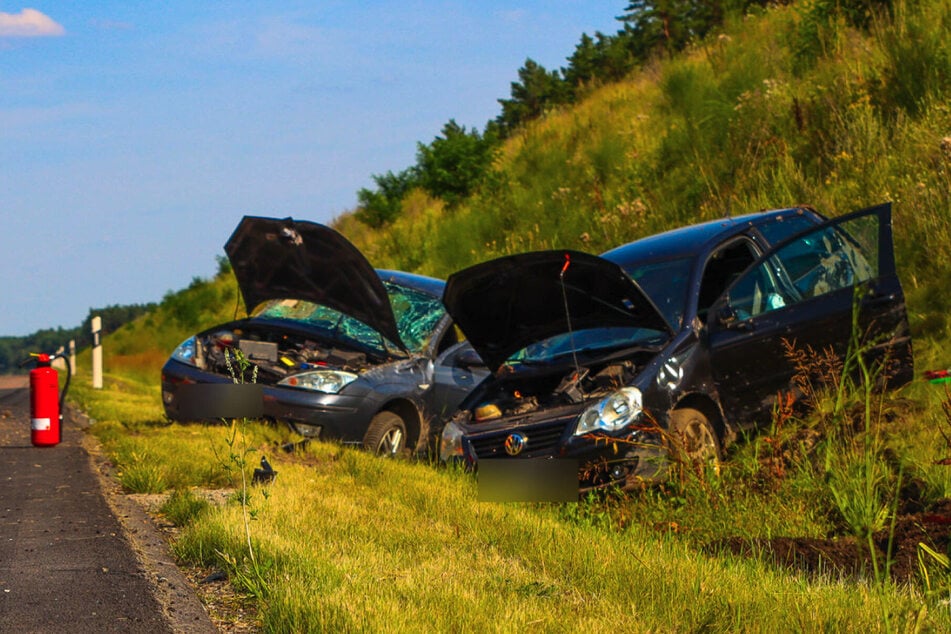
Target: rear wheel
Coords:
[[386, 435], [693, 438]]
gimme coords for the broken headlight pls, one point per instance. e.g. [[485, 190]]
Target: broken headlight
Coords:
[[329, 381], [450, 445], [185, 352], [611, 413]]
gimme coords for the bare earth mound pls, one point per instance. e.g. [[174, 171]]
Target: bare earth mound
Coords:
[[849, 556]]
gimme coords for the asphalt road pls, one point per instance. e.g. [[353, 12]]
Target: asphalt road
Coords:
[[73, 556]]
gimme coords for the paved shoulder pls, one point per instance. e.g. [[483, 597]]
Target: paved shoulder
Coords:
[[67, 563]]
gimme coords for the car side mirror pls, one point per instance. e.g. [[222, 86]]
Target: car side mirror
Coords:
[[729, 319], [726, 315]]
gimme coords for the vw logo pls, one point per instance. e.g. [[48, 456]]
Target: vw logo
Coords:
[[515, 443]]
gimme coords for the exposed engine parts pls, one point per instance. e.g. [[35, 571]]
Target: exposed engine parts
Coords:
[[547, 391], [276, 355]]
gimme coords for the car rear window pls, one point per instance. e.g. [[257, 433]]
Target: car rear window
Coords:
[[782, 227]]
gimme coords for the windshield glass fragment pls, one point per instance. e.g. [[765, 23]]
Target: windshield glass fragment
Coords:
[[417, 314]]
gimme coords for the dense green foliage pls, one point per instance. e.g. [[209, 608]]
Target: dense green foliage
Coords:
[[452, 166], [449, 168]]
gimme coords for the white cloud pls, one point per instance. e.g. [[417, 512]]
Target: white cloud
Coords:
[[29, 23]]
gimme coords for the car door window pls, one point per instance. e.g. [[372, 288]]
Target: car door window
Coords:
[[722, 268], [813, 264]]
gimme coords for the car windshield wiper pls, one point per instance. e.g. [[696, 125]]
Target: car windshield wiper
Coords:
[[528, 362]]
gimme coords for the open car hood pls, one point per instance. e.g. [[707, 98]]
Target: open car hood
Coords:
[[275, 258], [509, 303]]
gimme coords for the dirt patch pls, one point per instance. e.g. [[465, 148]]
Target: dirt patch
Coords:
[[849, 556], [13, 381]]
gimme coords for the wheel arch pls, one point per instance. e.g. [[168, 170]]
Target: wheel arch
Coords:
[[409, 412], [709, 408]]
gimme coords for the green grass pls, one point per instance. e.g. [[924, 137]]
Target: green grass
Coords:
[[354, 542], [344, 540]]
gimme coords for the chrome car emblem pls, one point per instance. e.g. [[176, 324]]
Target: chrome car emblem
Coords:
[[515, 443]]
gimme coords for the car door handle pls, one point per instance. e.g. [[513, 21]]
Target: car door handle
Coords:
[[874, 299]]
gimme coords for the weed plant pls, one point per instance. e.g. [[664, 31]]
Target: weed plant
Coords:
[[183, 507]]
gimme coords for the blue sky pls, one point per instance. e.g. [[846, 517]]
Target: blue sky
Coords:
[[134, 135]]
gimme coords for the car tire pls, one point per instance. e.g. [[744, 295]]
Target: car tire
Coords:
[[696, 439], [386, 435]]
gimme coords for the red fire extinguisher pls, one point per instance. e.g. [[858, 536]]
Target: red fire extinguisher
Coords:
[[46, 403]]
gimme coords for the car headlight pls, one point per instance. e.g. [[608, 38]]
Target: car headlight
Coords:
[[611, 413], [450, 446], [329, 381], [185, 352]]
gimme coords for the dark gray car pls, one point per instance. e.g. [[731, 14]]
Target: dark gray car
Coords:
[[339, 350]]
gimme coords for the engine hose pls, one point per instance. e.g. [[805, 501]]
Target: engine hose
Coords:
[[62, 395]]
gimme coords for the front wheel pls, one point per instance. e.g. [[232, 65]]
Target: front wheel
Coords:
[[386, 435], [693, 439]]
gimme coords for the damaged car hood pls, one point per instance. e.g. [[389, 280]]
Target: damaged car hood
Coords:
[[506, 304], [275, 258]]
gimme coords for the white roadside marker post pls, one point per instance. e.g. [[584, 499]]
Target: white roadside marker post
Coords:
[[96, 353], [60, 361]]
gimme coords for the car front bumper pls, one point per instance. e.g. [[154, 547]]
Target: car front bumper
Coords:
[[603, 459], [313, 414]]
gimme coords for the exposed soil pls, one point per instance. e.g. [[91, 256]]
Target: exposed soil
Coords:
[[851, 557]]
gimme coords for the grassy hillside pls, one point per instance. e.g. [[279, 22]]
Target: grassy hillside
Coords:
[[785, 108]]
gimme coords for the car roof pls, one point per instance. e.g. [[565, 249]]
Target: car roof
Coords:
[[421, 283], [691, 240]]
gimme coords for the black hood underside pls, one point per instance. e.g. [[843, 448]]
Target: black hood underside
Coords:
[[275, 258], [509, 303]]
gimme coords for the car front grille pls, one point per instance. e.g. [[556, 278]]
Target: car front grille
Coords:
[[541, 439]]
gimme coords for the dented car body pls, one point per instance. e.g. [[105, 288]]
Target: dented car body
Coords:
[[678, 339], [339, 350]]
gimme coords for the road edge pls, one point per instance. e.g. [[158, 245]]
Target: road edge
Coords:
[[182, 608]]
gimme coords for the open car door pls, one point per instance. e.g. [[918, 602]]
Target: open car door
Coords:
[[800, 296]]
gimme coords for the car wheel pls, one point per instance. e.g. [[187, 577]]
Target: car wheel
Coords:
[[695, 438], [386, 435]]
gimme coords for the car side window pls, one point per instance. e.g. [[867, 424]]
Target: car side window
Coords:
[[758, 291], [819, 262], [451, 337], [723, 267]]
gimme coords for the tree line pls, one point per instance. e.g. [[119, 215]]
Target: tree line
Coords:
[[15, 350], [457, 161]]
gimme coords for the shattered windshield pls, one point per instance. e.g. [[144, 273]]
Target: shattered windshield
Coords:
[[587, 340], [417, 314]]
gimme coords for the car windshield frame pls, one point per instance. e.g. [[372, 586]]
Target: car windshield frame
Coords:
[[417, 316]]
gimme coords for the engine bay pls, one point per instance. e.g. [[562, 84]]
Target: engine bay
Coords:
[[276, 354], [515, 395]]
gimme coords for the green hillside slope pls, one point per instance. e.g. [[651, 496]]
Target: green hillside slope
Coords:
[[785, 108]]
